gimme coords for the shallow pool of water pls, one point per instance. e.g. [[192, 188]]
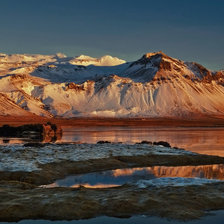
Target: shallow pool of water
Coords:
[[118, 177]]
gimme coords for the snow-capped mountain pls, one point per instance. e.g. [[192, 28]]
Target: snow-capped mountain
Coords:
[[156, 85], [59, 68], [106, 60], [158, 66]]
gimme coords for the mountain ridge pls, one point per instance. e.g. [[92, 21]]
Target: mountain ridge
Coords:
[[156, 85]]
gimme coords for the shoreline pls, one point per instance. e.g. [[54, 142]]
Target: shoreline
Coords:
[[52, 171], [126, 122], [23, 198]]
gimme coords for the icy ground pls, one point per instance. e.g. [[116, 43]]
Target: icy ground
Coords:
[[174, 181], [20, 158]]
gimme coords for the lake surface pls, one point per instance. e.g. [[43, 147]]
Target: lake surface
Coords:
[[201, 140], [216, 217]]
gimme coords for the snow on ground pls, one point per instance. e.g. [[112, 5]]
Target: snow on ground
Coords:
[[19, 158], [174, 181]]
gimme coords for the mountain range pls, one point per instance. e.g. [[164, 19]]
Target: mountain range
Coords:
[[156, 85]]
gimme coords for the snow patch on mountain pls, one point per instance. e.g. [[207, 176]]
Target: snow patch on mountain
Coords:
[[106, 60], [116, 96]]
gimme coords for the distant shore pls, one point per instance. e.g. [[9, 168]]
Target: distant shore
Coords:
[[102, 121]]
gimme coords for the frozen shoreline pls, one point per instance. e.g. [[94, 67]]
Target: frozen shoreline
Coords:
[[24, 169], [20, 158]]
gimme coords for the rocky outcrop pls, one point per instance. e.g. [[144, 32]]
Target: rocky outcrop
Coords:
[[51, 132], [22, 197], [34, 132]]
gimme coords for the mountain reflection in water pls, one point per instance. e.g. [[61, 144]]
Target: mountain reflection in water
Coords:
[[201, 140], [119, 177], [205, 171]]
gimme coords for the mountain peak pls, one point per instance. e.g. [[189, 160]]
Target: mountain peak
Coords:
[[84, 57], [156, 85], [60, 55], [154, 59], [159, 66], [105, 60], [158, 53]]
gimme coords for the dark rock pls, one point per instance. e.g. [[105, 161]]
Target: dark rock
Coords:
[[33, 131], [146, 142], [38, 132], [5, 140], [165, 144], [103, 142], [178, 148], [34, 144]]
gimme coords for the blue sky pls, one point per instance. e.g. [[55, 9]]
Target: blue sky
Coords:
[[191, 30]]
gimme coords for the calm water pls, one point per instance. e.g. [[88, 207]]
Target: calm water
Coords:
[[217, 219], [202, 140], [118, 177]]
